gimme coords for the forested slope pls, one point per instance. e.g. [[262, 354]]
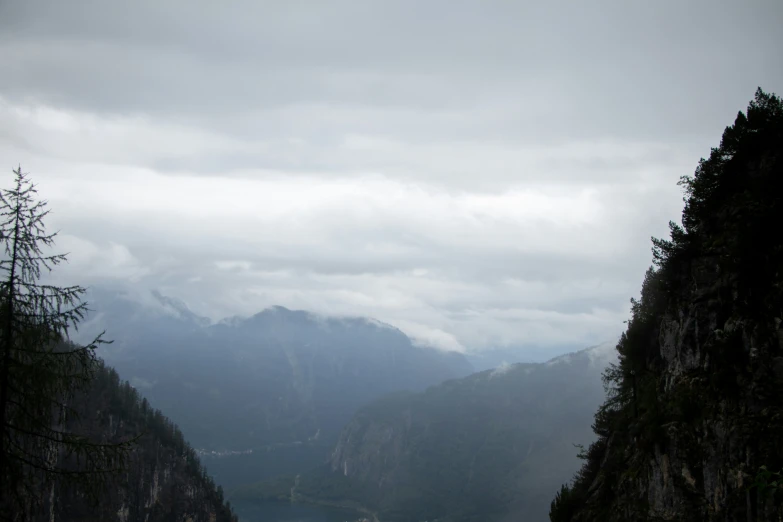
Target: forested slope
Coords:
[[162, 479], [694, 427], [492, 446]]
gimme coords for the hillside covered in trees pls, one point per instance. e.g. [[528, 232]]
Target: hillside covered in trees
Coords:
[[162, 478], [75, 442], [693, 427], [490, 446]]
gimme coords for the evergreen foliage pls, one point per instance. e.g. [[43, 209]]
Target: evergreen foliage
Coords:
[[40, 370], [159, 441], [725, 257], [76, 443]]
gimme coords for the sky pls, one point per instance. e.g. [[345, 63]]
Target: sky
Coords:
[[479, 174]]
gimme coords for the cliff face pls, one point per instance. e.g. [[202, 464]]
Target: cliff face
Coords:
[[491, 446], [162, 479], [697, 406], [701, 463]]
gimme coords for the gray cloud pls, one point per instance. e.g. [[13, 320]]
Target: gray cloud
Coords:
[[476, 173]]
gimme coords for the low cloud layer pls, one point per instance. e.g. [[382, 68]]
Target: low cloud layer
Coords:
[[479, 175]]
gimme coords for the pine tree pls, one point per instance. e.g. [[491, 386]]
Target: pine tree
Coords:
[[41, 370]]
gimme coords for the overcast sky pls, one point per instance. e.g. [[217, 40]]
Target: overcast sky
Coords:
[[476, 173]]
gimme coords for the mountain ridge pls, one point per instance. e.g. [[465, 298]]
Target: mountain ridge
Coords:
[[277, 377], [489, 446]]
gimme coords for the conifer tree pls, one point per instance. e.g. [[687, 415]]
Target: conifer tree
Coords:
[[720, 268], [41, 370]]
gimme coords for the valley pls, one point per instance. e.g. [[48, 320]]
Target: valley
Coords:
[[391, 261], [285, 381], [285, 512], [321, 408], [493, 444]]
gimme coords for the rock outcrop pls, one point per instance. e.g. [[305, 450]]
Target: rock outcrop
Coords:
[[694, 427]]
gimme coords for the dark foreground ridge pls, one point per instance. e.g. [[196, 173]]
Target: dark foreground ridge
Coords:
[[693, 428], [162, 479]]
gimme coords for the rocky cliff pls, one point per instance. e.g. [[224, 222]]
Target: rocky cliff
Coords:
[[693, 429], [162, 479]]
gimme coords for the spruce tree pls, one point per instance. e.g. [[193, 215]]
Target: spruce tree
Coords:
[[41, 369]]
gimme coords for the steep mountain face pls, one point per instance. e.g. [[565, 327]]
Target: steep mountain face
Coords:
[[694, 427], [162, 479], [491, 446], [277, 386]]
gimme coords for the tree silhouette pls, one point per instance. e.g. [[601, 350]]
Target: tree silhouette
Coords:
[[41, 370]]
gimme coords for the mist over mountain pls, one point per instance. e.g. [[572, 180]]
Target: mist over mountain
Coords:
[[284, 381], [490, 358], [490, 446], [350, 254]]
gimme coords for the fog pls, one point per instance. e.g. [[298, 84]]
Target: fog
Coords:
[[478, 175]]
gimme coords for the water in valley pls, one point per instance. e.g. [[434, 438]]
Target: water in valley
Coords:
[[285, 512]]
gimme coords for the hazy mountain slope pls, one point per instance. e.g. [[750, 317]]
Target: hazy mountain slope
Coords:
[[698, 403], [163, 479], [280, 383], [491, 446], [490, 358]]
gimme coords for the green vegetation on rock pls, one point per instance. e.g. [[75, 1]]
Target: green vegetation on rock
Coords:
[[696, 402]]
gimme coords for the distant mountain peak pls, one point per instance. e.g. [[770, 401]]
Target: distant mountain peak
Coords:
[[379, 324], [178, 308], [322, 320], [234, 320], [281, 311], [600, 354], [502, 369]]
